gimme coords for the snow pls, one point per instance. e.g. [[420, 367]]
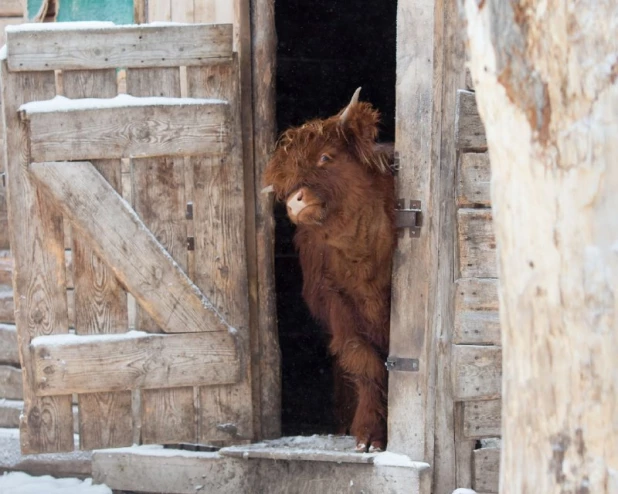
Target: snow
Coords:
[[22, 483], [59, 26], [388, 459], [464, 491], [72, 339], [158, 450], [3, 53], [63, 104]]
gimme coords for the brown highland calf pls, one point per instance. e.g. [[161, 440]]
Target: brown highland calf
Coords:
[[338, 188]]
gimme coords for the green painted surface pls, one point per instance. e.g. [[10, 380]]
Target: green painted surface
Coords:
[[118, 11]]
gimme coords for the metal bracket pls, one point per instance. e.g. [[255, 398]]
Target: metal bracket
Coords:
[[395, 167], [402, 364], [189, 213], [3, 175], [190, 243], [410, 218]]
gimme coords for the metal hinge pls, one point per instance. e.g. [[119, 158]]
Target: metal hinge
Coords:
[[3, 175], [402, 364], [410, 218], [189, 213], [190, 243]]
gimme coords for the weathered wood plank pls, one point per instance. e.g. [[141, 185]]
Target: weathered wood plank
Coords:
[[128, 247], [415, 263], [10, 383], [477, 244], [477, 372], [4, 215], [448, 460], [8, 344], [6, 266], [477, 320], [135, 360], [9, 414], [7, 305], [268, 365], [221, 253], [100, 300], [473, 180], [42, 48], [486, 469], [37, 244], [126, 127], [482, 419], [469, 128], [168, 415], [162, 471]]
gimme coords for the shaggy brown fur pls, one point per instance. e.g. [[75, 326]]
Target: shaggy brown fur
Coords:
[[345, 238]]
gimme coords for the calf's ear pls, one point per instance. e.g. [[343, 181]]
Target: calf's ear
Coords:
[[359, 125]]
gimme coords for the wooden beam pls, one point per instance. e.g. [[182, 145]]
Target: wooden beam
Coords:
[[124, 127], [38, 247], [134, 360], [486, 474], [9, 415], [7, 306], [477, 320], [415, 263], [482, 419], [473, 178], [469, 128], [40, 47], [477, 372], [476, 243], [264, 48], [120, 238]]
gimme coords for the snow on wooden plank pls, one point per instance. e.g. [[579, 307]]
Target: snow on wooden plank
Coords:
[[111, 129], [156, 470], [6, 22], [124, 243], [74, 46], [8, 344], [135, 360], [477, 372]]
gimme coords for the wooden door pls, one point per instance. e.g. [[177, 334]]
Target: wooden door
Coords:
[[146, 333]]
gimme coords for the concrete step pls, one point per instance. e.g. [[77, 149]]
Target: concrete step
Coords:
[[288, 465]]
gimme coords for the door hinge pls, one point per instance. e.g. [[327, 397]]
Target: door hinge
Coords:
[[3, 175], [189, 213], [402, 364], [410, 217], [395, 167], [190, 243]]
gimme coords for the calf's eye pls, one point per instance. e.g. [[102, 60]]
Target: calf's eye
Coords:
[[324, 158]]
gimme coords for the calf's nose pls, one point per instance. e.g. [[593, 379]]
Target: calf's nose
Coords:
[[296, 203]]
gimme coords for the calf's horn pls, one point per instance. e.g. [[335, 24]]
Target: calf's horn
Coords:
[[346, 113], [268, 189]]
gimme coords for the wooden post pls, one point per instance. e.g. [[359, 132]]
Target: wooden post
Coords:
[[264, 43], [546, 83]]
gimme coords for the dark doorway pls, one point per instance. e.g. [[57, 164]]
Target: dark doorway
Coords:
[[326, 49]]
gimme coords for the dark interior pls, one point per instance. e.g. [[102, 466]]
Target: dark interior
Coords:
[[326, 49]]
